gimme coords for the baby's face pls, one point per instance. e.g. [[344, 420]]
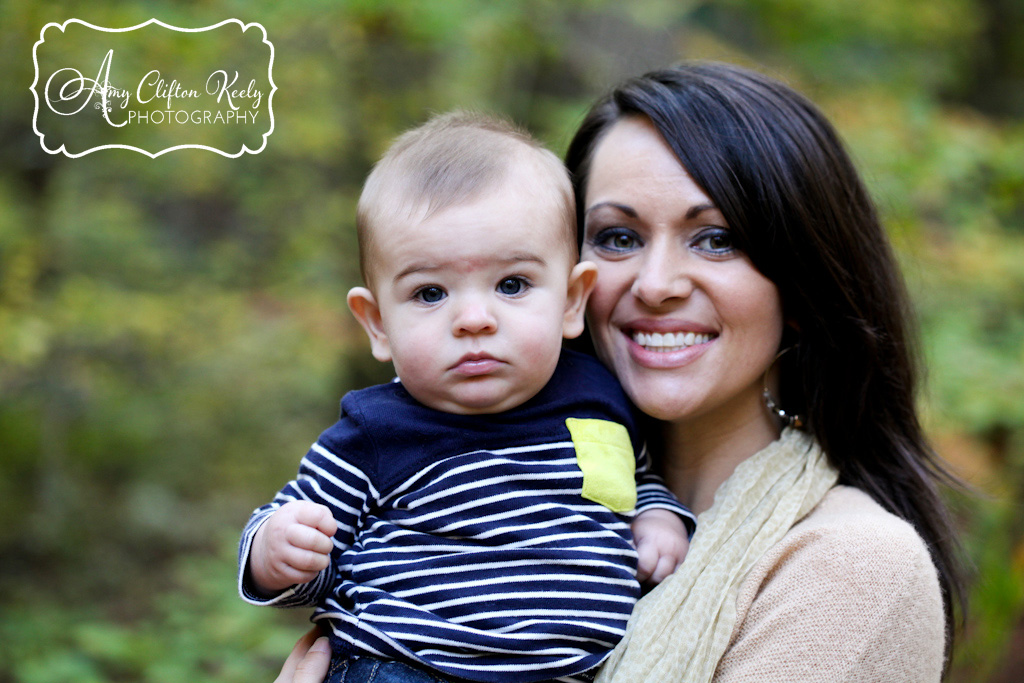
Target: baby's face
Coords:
[[474, 300]]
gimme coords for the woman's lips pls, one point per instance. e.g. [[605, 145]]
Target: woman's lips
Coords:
[[662, 344]]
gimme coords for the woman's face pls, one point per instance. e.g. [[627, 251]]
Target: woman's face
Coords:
[[686, 322]]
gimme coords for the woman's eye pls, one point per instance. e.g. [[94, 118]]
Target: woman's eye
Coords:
[[430, 294], [715, 241], [511, 286], [622, 241], [616, 239]]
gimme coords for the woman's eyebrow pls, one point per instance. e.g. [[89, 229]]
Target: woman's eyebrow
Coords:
[[628, 210], [691, 213], [698, 209]]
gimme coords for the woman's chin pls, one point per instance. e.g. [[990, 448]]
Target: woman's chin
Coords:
[[662, 403], [665, 413]]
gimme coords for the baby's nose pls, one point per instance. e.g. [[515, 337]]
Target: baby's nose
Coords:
[[474, 317]]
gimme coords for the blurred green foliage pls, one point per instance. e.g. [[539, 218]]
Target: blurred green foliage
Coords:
[[173, 332]]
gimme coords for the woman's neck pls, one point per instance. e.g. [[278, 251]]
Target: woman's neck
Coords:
[[700, 455]]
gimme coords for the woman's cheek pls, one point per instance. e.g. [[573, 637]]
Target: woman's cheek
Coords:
[[607, 293], [598, 334]]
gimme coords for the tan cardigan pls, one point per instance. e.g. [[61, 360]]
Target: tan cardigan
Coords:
[[849, 595]]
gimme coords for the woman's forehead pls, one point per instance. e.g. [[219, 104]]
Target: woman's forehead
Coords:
[[632, 158]]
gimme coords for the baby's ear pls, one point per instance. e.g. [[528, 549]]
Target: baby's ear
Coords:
[[581, 283], [364, 307]]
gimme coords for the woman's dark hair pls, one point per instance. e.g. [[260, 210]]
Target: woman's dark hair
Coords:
[[781, 177]]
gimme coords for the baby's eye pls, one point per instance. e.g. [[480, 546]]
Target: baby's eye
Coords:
[[430, 294], [511, 286], [716, 241]]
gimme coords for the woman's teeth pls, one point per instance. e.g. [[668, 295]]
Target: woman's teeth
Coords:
[[669, 341]]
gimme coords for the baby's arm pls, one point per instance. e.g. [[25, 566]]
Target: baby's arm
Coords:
[[291, 547], [661, 544], [314, 517], [662, 525]]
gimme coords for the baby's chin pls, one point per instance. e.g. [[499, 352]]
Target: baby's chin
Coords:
[[474, 402]]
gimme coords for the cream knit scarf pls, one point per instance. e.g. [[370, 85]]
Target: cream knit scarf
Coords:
[[680, 631]]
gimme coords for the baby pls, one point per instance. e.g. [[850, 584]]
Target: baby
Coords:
[[470, 520]]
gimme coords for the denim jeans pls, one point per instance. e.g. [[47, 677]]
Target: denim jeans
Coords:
[[372, 670]]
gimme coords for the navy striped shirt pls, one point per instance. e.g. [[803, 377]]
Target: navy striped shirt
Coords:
[[481, 546]]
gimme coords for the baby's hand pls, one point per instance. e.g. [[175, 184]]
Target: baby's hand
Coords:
[[661, 544], [293, 546]]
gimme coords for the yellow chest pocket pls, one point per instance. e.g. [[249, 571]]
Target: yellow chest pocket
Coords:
[[605, 455]]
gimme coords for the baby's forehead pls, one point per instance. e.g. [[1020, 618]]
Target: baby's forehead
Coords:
[[478, 231], [521, 194], [480, 237], [533, 173]]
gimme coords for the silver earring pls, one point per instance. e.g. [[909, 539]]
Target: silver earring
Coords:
[[787, 419]]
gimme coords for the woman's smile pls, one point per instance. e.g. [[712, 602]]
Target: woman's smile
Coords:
[[655, 343], [667, 342]]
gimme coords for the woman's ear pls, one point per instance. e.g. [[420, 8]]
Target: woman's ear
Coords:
[[364, 307], [581, 283]]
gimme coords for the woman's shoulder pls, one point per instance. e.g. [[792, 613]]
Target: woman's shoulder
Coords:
[[849, 536], [847, 516], [851, 583]]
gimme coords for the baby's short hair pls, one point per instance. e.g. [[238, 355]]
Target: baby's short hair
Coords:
[[448, 160]]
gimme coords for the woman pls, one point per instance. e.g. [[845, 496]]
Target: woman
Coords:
[[749, 302]]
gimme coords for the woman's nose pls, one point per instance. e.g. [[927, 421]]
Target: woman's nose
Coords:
[[664, 276], [474, 316]]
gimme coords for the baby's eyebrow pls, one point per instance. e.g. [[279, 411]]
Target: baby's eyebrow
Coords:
[[523, 256], [434, 266]]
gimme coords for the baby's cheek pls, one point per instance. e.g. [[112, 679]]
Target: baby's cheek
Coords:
[[540, 337], [414, 365], [541, 358]]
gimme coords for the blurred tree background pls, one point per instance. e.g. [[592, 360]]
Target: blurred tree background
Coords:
[[173, 332]]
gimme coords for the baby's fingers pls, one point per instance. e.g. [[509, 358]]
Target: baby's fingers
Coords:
[[647, 561], [665, 566], [308, 562], [308, 538], [314, 515]]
